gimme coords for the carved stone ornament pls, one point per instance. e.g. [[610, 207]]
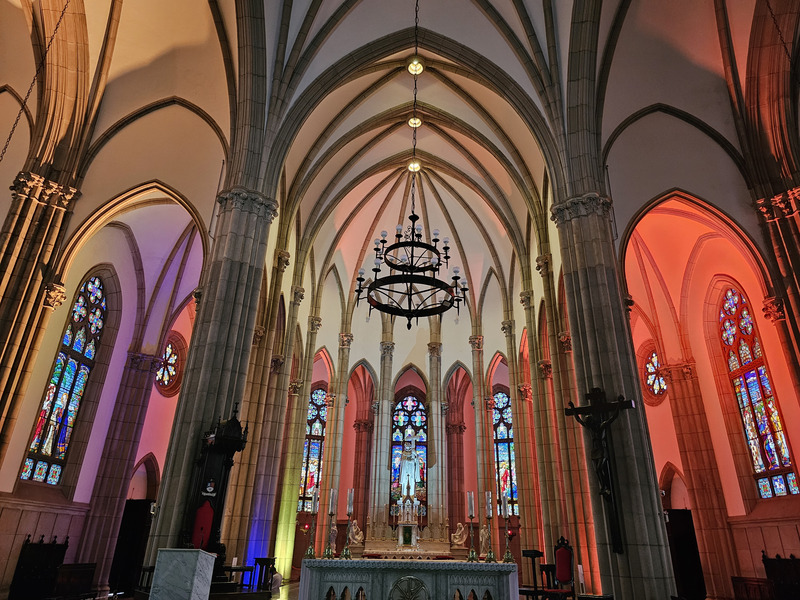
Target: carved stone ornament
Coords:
[[435, 348], [773, 309], [34, 187], [526, 299], [545, 369], [387, 349], [456, 429], [580, 206], [543, 264], [197, 294], [476, 341], [330, 400], [54, 295], [345, 339], [256, 203], [445, 408], [276, 363], [628, 302], [258, 334], [507, 327], [780, 206], [376, 406], [298, 293], [565, 339], [525, 392], [489, 403], [314, 323], [282, 260], [144, 362], [363, 425], [295, 385]]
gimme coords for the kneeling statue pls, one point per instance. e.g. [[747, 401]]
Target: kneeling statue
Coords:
[[459, 537]]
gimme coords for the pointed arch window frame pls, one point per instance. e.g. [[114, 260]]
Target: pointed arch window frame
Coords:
[[504, 417], [313, 445], [396, 446]]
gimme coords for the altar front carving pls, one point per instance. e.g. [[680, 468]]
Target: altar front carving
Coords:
[[424, 579]]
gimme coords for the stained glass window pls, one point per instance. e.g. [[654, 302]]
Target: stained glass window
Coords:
[[312, 449], [654, 375], [409, 454], [761, 420], [62, 397], [170, 373], [504, 454]]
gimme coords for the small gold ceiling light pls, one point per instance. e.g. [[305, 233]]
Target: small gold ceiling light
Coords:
[[414, 165], [415, 64], [415, 122]]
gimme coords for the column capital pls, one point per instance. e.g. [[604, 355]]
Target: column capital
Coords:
[[565, 339], [773, 309], [387, 349], [476, 341], [31, 186], [197, 294], [282, 260], [525, 392], [678, 371], [545, 369], [543, 264], [435, 348], [248, 201], [489, 403], [276, 363], [345, 339], [507, 327], [779, 206], [295, 385], [54, 295], [258, 334], [144, 362], [526, 299], [314, 323], [298, 293], [363, 425], [456, 428], [580, 206]]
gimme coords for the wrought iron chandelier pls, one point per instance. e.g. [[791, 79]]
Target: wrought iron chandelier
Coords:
[[412, 289]]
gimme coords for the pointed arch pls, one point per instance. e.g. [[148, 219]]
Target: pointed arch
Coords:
[[153, 472]]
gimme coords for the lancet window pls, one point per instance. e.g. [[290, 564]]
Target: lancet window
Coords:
[[409, 453], [58, 411], [504, 455], [312, 449], [761, 419]]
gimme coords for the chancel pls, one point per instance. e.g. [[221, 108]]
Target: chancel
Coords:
[[367, 298]]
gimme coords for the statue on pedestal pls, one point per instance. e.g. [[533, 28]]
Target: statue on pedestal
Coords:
[[355, 535], [485, 539], [459, 537], [409, 467]]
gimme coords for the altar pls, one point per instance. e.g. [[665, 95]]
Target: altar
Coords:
[[407, 580]]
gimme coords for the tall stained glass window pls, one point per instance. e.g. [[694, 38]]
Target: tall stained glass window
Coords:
[[654, 376], [504, 456], [409, 447], [62, 398], [758, 407], [312, 450]]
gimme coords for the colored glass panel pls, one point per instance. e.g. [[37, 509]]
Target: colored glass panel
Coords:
[[762, 375], [313, 448], [505, 463], [779, 485], [168, 370], [791, 479], [409, 419], [733, 362], [728, 332], [746, 322], [756, 348], [731, 301], [59, 410], [654, 377], [764, 488], [744, 352]]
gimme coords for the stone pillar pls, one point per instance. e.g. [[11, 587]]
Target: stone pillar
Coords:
[[99, 536], [437, 447], [714, 541], [381, 459], [363, 458], [287, 515], [32, 229], [456, 493], [334, 436], [485, 460], [216, 370], [604, 358]]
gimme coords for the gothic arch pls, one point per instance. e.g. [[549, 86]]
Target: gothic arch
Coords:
[[150, 464]]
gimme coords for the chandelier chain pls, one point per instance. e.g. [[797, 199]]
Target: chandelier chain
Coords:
[[414, 110], [39, 68]]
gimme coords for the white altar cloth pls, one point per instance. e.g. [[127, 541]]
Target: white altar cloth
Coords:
[[376, 577]]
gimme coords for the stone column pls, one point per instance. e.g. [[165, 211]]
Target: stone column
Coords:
[[334, 435], [485, 460], [296, 428], [714, 541], [604, 358], [32, 229], [363, 464], [99, 536], [381, 459], [437, 448], [216, 370], [456, 492]]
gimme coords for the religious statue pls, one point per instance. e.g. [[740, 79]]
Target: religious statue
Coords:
[[486, 542], [409, 467], [355, 535], [332, 536], [459, 537]]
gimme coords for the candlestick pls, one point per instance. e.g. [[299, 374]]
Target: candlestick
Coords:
[[315, 502], [507, 557], [350, 493], [504, 504], [332, 502], [473, 556], [490, 556], [471, 504], [488, 505], [310, 550]]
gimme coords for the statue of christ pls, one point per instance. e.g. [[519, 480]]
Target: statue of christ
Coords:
[[409, 467]]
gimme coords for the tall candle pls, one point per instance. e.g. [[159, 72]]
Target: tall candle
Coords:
[[332, 507], [488, 505], [505, 506], [350, 493], [471, 504], [315, 501]]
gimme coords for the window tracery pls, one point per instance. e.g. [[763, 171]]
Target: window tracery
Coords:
[[316, 420], [409, 420], [504, 454]]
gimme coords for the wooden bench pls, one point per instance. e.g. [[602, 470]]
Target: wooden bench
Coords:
[[784, 575], [37, 569]]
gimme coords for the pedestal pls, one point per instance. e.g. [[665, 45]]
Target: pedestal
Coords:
[[182, 575]]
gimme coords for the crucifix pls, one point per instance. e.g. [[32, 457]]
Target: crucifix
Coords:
[[596, 418]]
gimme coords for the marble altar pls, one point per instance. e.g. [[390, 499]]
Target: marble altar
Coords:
[[182, 574], [424, 579]]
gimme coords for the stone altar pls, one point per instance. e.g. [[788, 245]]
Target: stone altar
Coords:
[[182, 575], [429, 579]]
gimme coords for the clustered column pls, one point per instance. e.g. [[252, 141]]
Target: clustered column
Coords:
[[381, 459]]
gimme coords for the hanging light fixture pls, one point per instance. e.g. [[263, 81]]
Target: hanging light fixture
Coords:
[[412, 289]]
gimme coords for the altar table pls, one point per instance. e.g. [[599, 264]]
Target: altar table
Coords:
[[417, 579]]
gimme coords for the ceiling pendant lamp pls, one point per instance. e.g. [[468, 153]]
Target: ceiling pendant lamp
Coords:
[[412, 288]]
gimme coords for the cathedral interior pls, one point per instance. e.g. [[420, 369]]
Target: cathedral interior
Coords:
[[195, 185]]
